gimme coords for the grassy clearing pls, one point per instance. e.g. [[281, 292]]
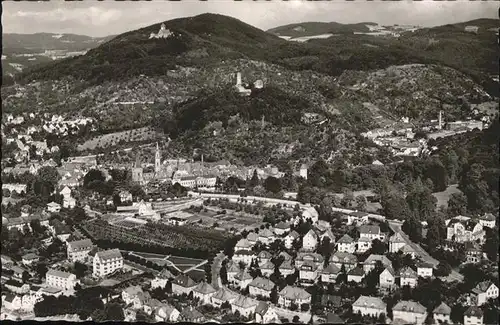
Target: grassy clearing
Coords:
[[444, 196]]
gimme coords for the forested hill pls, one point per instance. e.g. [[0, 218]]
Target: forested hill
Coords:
[[209, 39]]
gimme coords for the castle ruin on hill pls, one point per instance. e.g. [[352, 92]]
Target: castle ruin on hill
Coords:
[[162, 33], [246, 90]]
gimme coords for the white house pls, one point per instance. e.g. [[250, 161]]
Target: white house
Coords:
[[346, 244], [11, 301], [424, 270], [266, 236], [303, 257], [408, 276], [330, 273], [387, 279], [371, 232], [348, 260], [310, 241], [59, 279], [281, 228], [267, 269], [473, 252], [69, 202], [129, 294], [222, 295], [265, 313], [160, 281], [261, 287], [487, 220], [484, 291], [245, 256], [310, 213], [252, 239], [460, 230], [243, 279], [107, 262], [243, 244], [167, 313], [473, 316], [355, 275], [53, 207], [204, 291], [369, 306], [78, 250], [264, 257], [125, 196], [294, 295], [232, 270], [327, 234], [308, 273], [286, 268], [409, 312], [244, 305], [183, 284], [442, 314], [357, 217], [371, 261], [363, 244], [396, 242], [30, 259], [290, 238]]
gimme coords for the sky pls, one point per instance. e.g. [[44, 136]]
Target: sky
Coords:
[[95, 18]]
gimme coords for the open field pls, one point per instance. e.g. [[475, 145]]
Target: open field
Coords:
[[150, 255], [185, 260], [111, 139], [178, 262], [444, 196]]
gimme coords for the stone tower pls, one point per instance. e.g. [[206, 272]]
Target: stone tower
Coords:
[[157, 159], [238, 78], [303, 171]]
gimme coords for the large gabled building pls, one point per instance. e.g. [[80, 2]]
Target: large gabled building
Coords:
[[107, 262]]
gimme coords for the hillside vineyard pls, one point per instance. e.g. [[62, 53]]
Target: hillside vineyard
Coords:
[[201, 169]]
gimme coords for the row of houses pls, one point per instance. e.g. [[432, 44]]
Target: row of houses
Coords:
[[411, 312]]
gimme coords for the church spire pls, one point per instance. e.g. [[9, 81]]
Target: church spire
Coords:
[[157, 159]]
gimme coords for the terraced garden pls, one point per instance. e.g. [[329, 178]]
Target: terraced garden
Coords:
[[112, 139]]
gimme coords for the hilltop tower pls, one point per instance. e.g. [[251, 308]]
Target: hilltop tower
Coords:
[[440, 126], [303, 171], [238, 78], [157, 159]]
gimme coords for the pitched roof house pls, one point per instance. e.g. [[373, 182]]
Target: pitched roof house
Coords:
[[442, 313], [265, 313], [183, 284], [369, 306], [410, 312], [204, 291]]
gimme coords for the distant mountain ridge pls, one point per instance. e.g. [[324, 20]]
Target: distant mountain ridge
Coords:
[[22, 51], [317, 28], [31, 43]]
